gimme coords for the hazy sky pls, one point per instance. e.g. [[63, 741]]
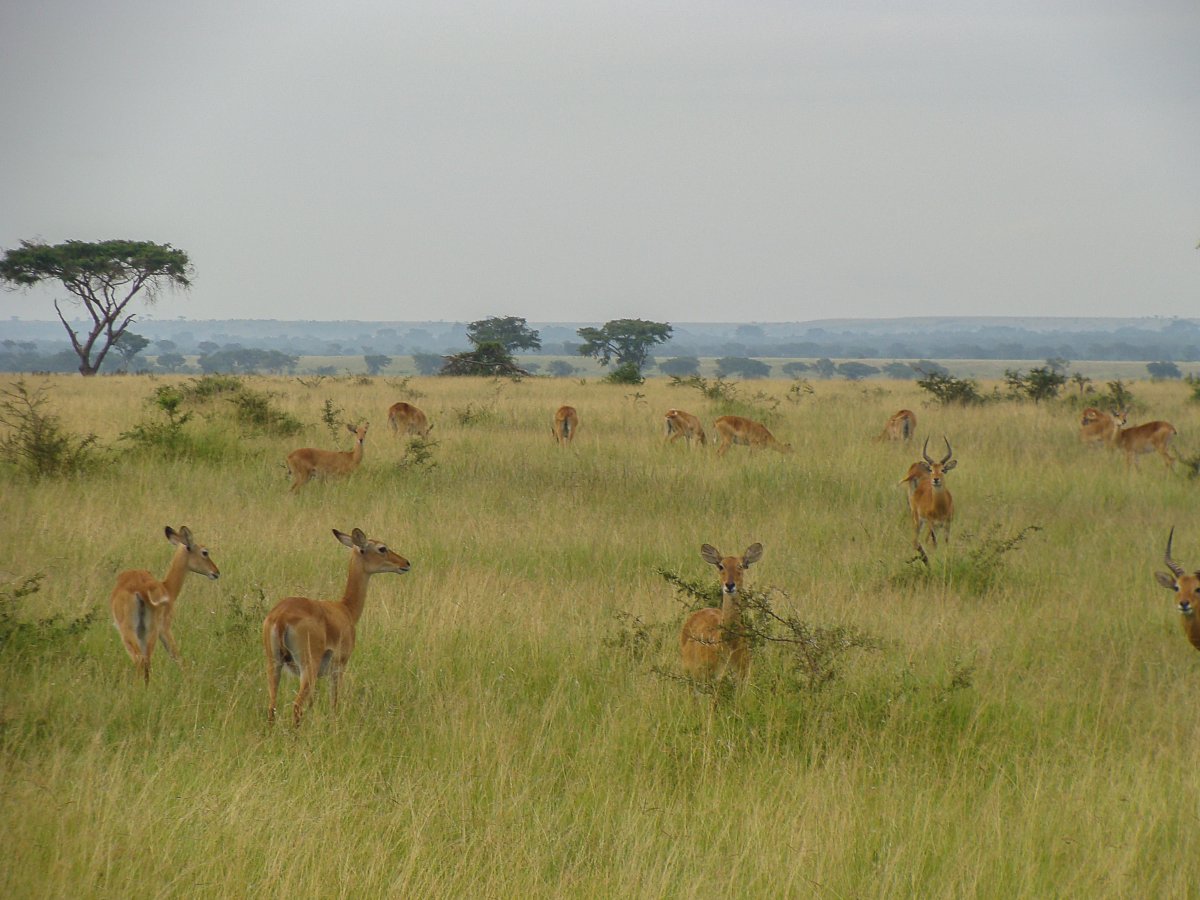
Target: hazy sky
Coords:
[[566, 161]]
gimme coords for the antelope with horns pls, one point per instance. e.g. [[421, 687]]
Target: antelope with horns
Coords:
[[900, 426], [142, 606], [1188, 588], [1152, 436], [930, 499], [566, 423], [311, 638], [712, 640], [404, 418], [740, 430], [680, 424], [306, 462]]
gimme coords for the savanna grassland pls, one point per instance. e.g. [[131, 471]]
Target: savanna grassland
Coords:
[[1022, 722]]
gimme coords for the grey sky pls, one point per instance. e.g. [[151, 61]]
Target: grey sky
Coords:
[[736, 161]]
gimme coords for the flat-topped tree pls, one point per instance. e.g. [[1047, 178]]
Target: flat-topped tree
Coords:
[[104, 276], [629, 341]]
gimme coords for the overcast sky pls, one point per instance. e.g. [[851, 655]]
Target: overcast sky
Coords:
[[569, 161]]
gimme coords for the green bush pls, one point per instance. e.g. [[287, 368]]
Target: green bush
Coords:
[[37, 445]]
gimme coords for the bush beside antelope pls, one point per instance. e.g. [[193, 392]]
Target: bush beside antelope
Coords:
[[1188, 588], [404, 418], [929, 499], [142, 606], [712, 640], [1147, 438], [740, 430], [680, 424], [900, 426], [306, 462], [566, 424], [311, 638]]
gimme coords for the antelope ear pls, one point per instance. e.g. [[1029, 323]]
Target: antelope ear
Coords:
[[360, 539], [172, 535], [350, 428], [344, 538], [950, 465], [752, 555], [186, 534], [1167, 581], [710, 554]]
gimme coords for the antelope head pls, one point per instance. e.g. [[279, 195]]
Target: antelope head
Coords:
[[937, 470], [731, 568], [1185, 585]]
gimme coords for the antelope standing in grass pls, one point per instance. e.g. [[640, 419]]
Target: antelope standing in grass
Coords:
[[303, 464], [311, 638], [142, 606], [740, 430], [404, 418], [1147, 438], [566, 423], [1188, 588], [929, 499], [1096, 426], [711, 640], [900, 426], [680, 424]]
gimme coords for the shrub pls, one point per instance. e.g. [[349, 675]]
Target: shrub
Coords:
[[255, 409], [38, 445], [166, 436], [39, 632], [950, 391], [625, 373]]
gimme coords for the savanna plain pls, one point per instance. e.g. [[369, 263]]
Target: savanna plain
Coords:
[[1016, 719]]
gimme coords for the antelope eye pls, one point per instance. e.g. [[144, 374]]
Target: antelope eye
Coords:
[[204, 553], [382, 549]]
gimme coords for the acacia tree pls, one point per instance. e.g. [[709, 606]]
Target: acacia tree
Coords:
[[510, 331], [104, 277], [627, 340]]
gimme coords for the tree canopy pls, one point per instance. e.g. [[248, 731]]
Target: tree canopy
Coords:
[[626, 340], [510, 331], [104, 276]]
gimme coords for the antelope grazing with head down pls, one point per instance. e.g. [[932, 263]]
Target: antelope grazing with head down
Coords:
[[1188, 588], [712, 640], [929, 499], [404, 418], [680, 424], [303, 464], [1152, 436], [740, 430], [900, 426], [566, 423], [1096, 426], [311, 638], [142, 606]]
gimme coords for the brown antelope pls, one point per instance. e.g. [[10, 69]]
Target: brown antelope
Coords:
[[1096, 426], [684, 425], [566, 423], [311, 638], [900, 426], [739, 430], [404, 418], [916, 473], [1188, 588], [712, 640], [303, 464], [1143, 439], [930, 499], [142, 606]]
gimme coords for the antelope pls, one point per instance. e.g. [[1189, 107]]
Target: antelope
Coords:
[[739, 430], [1188, 589], [930, 499], [303, 464], [900, 426], [566, 423], [311, 638], [712, 640], [404, 418], [916, 472], [682, 424], [1096, 426], [1142, 439], [142, 606]]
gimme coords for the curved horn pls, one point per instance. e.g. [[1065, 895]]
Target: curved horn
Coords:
[[925, 452], [1175, 568], [949, 452]]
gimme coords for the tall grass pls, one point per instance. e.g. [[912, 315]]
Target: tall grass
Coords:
[[1023, 728]]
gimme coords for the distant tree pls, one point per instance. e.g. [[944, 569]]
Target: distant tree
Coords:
[[376, 362], [795, 368], [129, 345], [1161, 370], [929, 367], [1081, 381], [246, 360], [751, 333], [509, 331], [105, 277], [681, 366], [741, 365], [488, 359], [899, 370], [172, 362], [1042, 383], [208, 347], [825, 367], [1058, 364], [560, 369], [950, 391], [855, 371], [626, 340], [165, 346], [427, 363]]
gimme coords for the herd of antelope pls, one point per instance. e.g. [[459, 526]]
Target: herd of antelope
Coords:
[[315, 638]]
